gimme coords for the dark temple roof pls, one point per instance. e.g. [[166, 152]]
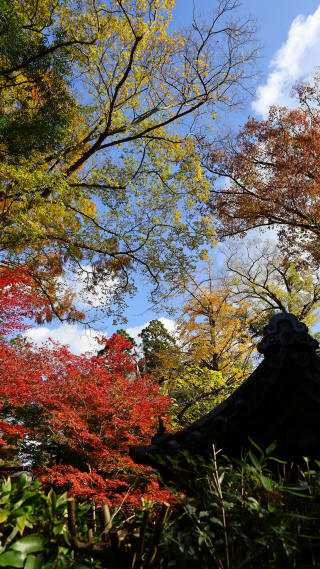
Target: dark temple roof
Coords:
[[279, 402]]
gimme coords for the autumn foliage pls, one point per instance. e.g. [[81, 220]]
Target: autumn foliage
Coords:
[[72, 417], [18, 299], [273, 173]]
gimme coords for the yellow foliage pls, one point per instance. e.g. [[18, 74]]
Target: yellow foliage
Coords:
[[96, 155]]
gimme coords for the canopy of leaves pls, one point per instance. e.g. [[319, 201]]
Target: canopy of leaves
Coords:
[[211, 352], [99, 163], [273, 174], [213, 325], [195, 390], [216, 350]]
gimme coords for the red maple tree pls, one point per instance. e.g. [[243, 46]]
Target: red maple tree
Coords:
[[76, 416], [19, 299]]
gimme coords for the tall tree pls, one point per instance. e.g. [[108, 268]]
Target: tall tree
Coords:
[[223, 317], [158, 346], [270, 281], [213, 326], [108, 173], [74, 417], [272, 168], [215, 343]]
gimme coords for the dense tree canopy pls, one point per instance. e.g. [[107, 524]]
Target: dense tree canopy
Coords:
[[99, 109]]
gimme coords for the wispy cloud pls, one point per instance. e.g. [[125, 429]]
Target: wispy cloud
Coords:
[[296, 60]]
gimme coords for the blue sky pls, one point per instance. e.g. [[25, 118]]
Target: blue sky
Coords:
[[288, 32]]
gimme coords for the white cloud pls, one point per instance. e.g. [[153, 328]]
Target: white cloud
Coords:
[[134, 331], [81, 340], [169, 324], [78, 339], [296, 60]]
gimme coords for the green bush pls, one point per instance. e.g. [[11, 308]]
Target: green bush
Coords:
[[257, 512], [40, 529], [34, 530]]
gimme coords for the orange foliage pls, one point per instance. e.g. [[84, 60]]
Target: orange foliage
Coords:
[[274, 173]]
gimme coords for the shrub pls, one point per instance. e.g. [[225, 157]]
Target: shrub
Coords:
[[257, 512]]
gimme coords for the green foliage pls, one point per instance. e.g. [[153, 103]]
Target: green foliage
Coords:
[[36, 532], [30, 523], [157, 343], [256, 512], [195, 391], [40, 529]]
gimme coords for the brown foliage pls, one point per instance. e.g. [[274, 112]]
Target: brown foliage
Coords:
[[273, 172]]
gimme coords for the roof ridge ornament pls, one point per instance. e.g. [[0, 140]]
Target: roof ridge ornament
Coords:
[[279, 401], [286, 331]]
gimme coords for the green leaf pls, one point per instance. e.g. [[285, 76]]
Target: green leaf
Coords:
[[24, 479], [21, 523], [271, 448], [18, 504], [6, 485], [267, 483], [277, 460], [216, 521], [12, 559], [5, 499], [30, 544], [62, 500], [255, 445], [203, 514], [12, 534], [4, 514], [221, 477], [33, 562], [254, 460]]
